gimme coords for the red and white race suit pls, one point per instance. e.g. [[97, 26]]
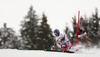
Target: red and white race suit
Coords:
[[62, 41]]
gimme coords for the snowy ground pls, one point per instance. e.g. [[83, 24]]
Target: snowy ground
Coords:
[[41, 53]]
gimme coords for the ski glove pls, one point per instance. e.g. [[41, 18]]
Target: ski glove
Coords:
[[53, 47], [59, 41]]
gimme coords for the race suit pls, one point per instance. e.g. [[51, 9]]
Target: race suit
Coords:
[[62, 41]]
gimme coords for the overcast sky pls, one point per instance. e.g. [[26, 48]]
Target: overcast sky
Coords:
[[58, 12]]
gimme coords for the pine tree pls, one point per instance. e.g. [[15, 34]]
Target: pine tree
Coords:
[[69, 34], [74, 32], [91, 26], [8, 38], [72, 35], [94, 28], [98, 35], [45, 34], [84, 24], [29, 30]]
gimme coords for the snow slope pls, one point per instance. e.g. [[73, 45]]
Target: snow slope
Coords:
[[41, 53]]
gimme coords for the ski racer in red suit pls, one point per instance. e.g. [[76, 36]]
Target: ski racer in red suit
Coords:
[[62, 41]]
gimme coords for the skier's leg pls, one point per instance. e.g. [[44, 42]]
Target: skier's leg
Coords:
[[69, 45], [62, 47]]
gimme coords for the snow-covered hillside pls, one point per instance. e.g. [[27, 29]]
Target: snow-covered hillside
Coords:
[[41, 53]]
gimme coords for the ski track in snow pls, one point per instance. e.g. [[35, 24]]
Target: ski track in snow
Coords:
[[41, 53]]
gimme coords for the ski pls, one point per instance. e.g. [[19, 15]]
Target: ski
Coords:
[[60, 51]]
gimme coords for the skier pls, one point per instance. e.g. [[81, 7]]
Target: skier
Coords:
[[62, 41], [82, 33]]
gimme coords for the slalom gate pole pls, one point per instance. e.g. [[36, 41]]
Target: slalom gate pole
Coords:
[[78, 30], [87, 41]]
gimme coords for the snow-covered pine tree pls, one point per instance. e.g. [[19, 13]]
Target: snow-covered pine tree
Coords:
[[29, 30], [84, 23], [8, 39], [45, 37], [69, 34], [74, 32], [94, 28]]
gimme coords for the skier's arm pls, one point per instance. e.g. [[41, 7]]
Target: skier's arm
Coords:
[[56, 44], [62, 37]]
